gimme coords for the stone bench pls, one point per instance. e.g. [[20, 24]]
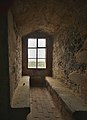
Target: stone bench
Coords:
[[70, 106], [20, 106]]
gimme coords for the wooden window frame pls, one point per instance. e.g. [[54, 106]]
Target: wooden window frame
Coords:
[[37, 47]]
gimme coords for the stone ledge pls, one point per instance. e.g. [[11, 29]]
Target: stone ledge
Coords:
[[21, 95], [20, 105], [71, 107]]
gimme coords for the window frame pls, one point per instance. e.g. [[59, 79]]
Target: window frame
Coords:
[[37, 48]]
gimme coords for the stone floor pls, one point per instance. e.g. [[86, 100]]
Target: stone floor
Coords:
[[42, 106]]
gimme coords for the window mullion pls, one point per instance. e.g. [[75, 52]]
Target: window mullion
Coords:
[[37, 54]]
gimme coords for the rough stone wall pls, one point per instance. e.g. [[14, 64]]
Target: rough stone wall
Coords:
[[70, 59], [66, 20], [15, 55], [47, 15]]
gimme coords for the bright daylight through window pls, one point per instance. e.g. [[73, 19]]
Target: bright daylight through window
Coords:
[[37, 53]]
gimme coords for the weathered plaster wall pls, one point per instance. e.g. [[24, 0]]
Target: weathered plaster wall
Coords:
[[15, 55], [70, 59]]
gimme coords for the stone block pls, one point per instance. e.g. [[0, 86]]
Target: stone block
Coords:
[[79, 78], [81, 56]]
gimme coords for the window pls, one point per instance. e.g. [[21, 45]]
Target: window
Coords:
[[37, 53]]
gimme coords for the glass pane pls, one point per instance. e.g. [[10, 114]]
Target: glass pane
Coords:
[[32, 42], [31, 63], [41, 53], [41, 42], [41, 63], [31, 53]]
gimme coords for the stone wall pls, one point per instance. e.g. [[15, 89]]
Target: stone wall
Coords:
[[15, 55], [70, 59], [32, 15], [67, 22]]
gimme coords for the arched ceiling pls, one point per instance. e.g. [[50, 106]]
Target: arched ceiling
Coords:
[[46, 15]]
